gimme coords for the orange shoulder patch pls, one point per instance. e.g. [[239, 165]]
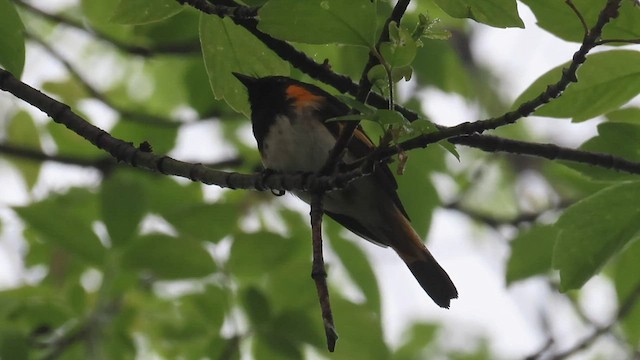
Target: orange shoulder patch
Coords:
[[302, 97]]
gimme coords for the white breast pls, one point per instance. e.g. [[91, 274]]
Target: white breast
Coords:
[[292, 146]]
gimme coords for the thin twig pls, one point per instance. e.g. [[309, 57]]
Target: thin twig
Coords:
[[548, 151], [364, 88], [318, 272], [231, 349], [495, 222], [618, 41], [236, 11], [623, 311], [552, 91], [192, 48], [103, 163], [573, 7], [93, 92], [345, 84], [94, 323]]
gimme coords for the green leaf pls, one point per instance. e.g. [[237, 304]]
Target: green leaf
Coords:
[[72, 144], [227, 48], [378, 76], [290, 285], [301, 326], [350, 22], [627, 283], [66, 221], [357, 264], [360, 331], [418, 338], [352, 117], [627, 115], [258, 254], [175, 196], [221, 348], [557, 18], [209, 222], [388, 117], [22, 131], [401, 50], [400, 73], [124, 203], [67, 90], [211, 304], [13, 343], [568, 183], [531, 253], [256, 306], [606, 81], [593, 230], [497, 13], [133, 12], [267, 345], [438, 64], [11, 39], [615, 138], [416, 190], [170, 85], [97, 14], [169, 258], [161, 138], [353, 103]]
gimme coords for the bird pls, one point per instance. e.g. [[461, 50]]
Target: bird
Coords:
[[290, 124]]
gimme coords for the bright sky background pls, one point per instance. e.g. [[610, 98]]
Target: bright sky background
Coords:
[[475, 258]]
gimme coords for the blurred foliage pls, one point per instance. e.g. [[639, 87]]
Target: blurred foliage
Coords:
[[136, 265]]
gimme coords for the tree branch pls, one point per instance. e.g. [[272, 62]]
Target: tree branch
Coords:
[[93, 92], [94, 323], [575, 10], [552, 91], [453, 134], [364, 88], [496, 222], [623, 311], [172, 49], [235, 11], [143, 158], [318, 272], [103, 164], [548, 151]]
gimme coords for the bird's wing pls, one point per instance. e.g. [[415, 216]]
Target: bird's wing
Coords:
[[360, 146]]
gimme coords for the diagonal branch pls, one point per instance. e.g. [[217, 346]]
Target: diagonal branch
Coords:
[[625, 308], [233, 11], [93, 92], [344, 84], [496, 222], [552, 91], [143, 158], [364, 88], [144, 51]]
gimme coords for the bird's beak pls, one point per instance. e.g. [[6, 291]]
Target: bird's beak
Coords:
[[247, 81]]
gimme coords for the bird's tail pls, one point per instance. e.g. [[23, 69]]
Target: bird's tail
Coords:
[[424, 267]]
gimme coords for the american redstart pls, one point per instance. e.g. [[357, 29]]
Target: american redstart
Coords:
[[290, 124]]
